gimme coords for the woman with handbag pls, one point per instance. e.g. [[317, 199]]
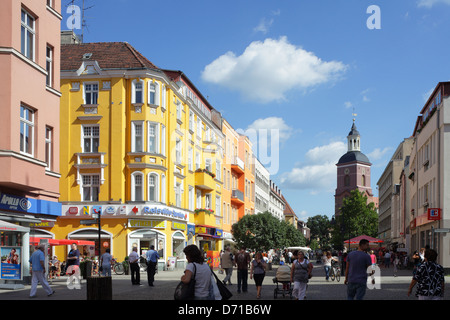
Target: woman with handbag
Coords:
[[258, 271], [199, 272], [300, 274]]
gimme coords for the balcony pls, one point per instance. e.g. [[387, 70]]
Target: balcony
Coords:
[[237, 165], [88, 160], [204, 180], [237, 197], [204, 217]]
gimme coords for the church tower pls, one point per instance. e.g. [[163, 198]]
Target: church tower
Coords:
[[353, 170]]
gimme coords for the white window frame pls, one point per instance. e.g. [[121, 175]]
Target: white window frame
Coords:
[[190, 159], [218, 206], [191, 120], [153, 90], [134, 90], [178, 199], [208, 201], [178, 151], [28, 27], [163, 188], [91, 137], [155, 126], [155, 195], [48, 147], [198, 199], [94, 93], [134, 185], [26, 123], [49, 66], [163, 140], [135, 137], [191, 198], [91, 185]]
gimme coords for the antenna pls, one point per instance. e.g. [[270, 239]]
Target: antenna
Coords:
[[83, 21]]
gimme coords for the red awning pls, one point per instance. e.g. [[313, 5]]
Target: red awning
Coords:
[[357, 239], [61, 242]]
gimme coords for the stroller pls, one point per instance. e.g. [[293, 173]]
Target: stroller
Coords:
[[283, 277]]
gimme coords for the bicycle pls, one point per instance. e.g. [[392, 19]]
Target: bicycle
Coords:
[[118, 268], [335, 272]]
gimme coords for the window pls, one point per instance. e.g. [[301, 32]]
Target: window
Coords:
[[178, 152], [91, 138], [49, 67], [153, 137], [136, 186], [163, 140], [27, 35], [153, 93], [208, 165], [137, 91], [191, 198], [90, 93], [164, 96], [26, 130], [363, 180], [217, 213], [199, 199], [218, 169], [50, 3], [191, 121], [153, 187], [90, 187], [208, 199], [48, 147], [137, 136], [178, 195], [179, 110], [163, 188], [347, 181], [190, 158], [197, 160]]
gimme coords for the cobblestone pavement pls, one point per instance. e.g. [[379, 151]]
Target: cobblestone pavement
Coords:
[[392, 288]]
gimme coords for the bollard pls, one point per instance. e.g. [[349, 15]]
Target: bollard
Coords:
[[99, 288]]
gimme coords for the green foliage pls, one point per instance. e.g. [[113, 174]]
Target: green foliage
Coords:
[[357, 218], [264, 232], [319, 227]]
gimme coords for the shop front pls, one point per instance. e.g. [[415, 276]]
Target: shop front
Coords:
[[209, 241], [124, 227]]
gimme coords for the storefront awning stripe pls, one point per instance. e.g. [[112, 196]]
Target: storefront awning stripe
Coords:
[[6, 226]]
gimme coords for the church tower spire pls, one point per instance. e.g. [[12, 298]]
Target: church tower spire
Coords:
[[354, 139]]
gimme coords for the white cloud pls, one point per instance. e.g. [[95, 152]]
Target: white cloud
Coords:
[[263, 26], [377, 154], [430, 3], [273, 123], [267, 70], [318, 173]]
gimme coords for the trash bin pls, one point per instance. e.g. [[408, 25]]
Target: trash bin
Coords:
[[99, 288]]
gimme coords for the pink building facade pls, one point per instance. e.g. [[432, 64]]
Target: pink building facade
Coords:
[[29, 121]]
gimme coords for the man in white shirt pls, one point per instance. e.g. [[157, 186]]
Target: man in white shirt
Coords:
[[133, 258]]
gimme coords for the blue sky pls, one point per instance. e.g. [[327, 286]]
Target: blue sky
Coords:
[[299, 67]]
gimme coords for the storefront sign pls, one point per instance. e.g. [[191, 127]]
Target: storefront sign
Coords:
[[43, 224], [29, 205], [434, 214], [179, 226], [118, 211], [191, 229], [155, 224], [11, 263], [11, 202]]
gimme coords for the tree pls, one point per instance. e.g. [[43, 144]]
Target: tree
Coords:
[[264, 232], [357, 218], [319, 226]]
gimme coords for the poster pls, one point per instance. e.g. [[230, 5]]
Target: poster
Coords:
[[11, 264]]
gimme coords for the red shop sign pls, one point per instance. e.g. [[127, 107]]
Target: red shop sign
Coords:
[[434, 214]]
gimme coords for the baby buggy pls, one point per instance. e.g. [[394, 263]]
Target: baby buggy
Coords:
[[283, 279]]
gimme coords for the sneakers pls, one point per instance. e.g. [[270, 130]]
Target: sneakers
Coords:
[[51, 293]]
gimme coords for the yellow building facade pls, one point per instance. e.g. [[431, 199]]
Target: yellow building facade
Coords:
[[141, 147]]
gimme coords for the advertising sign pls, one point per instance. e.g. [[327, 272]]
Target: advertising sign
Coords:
[[434, 214], [11, 263]]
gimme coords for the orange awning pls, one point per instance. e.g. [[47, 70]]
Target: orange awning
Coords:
[[61, 242]]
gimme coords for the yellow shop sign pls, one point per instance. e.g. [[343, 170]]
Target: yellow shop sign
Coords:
[[138, 223]]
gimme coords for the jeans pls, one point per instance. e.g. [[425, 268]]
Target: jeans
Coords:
[[229, 272], [106, 270], [327, 272], [242, 278], [357, 290]]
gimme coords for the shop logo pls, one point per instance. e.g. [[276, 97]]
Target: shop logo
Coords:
[[97, 210], [110, 210], [73, 210], [123, 210], [135, 210], [25, 204], [86, 210]]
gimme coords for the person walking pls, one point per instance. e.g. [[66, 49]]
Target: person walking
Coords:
[[37, 269], [200, 271], [227, 264], [73, 260], [258, 272], [327, 259], [429, 277], [242, 263], [387, 259], [395, 262], [152, 261], [356, 271], [133, 258], [105, 263], [300, 273]]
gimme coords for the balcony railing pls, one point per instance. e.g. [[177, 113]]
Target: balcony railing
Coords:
[[238, 165], [237, 196]]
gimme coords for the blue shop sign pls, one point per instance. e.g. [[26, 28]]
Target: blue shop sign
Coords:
[[28, 205]]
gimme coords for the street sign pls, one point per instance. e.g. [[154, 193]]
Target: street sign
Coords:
[[443, 230], [88, 222]]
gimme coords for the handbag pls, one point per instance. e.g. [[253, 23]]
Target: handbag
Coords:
[[224, 292], [186, 291]]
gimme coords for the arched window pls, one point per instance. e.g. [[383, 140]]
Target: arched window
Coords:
[[137, 181], [153, 187], [363, 180], [346, 180]]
